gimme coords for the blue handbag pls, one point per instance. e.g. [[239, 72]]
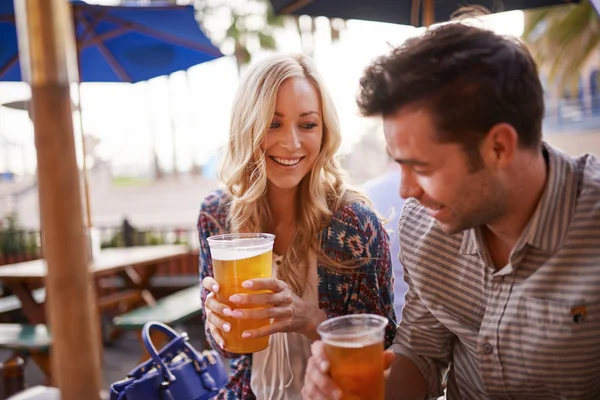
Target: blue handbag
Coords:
[[177, 372]]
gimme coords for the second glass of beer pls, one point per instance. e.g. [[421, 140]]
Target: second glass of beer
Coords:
[[354, 347], [238, 257]]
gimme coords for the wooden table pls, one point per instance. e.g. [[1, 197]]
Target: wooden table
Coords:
[[123, 261]]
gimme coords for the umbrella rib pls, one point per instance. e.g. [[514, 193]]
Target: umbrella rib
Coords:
[[167, 37], [104, 37], [294, 6], [80, 17], [9, 64], [110, 58], [119, 70]]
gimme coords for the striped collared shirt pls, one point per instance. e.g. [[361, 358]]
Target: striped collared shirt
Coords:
[[529, 330]]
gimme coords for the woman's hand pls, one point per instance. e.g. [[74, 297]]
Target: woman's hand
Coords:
[[290, 312], [214, 311]]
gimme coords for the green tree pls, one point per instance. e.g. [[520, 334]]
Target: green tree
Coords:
[[562, 40], [250, 24]]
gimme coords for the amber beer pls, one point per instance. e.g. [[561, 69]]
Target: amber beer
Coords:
[[354, 347], [238, 258]]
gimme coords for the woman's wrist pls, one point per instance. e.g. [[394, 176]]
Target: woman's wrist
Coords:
[[311, 333]]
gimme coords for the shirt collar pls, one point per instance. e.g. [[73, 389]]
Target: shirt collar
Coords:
[[548, 225]]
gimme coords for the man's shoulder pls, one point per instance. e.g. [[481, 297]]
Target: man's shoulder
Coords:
[[588, 199], [414, 215]]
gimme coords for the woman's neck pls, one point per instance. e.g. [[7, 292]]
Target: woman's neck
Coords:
[[282, 203]]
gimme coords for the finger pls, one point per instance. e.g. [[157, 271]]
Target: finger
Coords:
[[319, 380], [215, 306], [388, 357], [283, 313], [218, 322], [273, 284], [216, 335], [281, 326], [209, 283], [318, 350], [311, 392], [262, 299]]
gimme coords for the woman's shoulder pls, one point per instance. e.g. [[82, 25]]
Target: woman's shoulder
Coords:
[[356, 215], [353, 230], [214, 209], [215, 202]]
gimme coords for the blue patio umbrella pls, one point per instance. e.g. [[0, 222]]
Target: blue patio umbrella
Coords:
[[406, 12], [126, 43]]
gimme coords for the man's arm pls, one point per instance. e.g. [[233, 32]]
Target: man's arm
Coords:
[[404, 381]]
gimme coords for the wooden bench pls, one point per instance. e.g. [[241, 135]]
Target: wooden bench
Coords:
[[29, 341], [12, 303], [171, 310]]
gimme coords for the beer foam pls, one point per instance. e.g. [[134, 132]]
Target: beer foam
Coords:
[[231, 254], [352, 343]]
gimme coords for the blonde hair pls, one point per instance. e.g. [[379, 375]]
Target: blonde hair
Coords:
[[323, 190]]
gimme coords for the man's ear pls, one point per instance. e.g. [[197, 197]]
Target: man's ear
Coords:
[[500, 145]]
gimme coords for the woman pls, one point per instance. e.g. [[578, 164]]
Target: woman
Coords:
[[331, 253]]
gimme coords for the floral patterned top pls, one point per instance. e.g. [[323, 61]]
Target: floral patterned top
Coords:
[[354, 232]]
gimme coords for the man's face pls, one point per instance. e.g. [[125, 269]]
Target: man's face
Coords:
[[438, 174]]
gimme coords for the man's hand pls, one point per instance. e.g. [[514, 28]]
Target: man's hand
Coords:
[[317, 382]]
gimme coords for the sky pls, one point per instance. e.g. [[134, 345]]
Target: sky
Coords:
[[189, 111]]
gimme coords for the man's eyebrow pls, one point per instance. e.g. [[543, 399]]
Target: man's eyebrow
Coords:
[[407, 161]]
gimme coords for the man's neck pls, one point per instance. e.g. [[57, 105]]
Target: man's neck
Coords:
[[530, 179]]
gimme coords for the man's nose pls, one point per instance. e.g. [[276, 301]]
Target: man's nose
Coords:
[[409, 187]]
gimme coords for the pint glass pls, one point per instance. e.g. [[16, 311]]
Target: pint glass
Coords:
[[354, 347], [238, 257]]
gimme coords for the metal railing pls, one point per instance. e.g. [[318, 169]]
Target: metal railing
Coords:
[[17, 245]]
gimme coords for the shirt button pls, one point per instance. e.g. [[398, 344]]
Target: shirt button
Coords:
[[488, 349]]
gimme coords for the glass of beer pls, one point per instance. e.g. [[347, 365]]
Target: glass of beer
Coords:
[[354, 347], [238, 257]]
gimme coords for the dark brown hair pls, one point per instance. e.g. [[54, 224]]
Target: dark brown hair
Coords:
[[468, 78]]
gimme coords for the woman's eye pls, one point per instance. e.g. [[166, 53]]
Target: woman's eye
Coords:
[[274, 125], [309, 125]]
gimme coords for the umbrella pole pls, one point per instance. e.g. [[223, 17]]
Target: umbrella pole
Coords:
[[86, 187], [428, 12], [49, 64]]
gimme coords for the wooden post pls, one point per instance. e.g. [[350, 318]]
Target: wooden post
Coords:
[[49, 64], [428, 12]]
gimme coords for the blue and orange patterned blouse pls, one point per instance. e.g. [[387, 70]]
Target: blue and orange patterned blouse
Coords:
[[354, 232]]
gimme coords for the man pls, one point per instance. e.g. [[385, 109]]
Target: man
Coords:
[[500, 235], [380, 190]]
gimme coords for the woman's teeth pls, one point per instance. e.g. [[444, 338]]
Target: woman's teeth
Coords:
[[286, 162]]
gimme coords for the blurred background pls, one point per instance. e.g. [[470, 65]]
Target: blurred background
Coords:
[[152, 148]]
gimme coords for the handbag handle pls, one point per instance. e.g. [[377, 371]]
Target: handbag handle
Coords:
[[199, 362], [168, 331]]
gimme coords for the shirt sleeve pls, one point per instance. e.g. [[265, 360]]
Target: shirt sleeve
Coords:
[[423, 339]]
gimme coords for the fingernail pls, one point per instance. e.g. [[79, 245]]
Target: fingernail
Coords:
[[226, 327], [246, 335], [237, 313], [222, 345], [215, 288], [235, 298], [337, 394], [247, 284], [324, 365], [227, 312]]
